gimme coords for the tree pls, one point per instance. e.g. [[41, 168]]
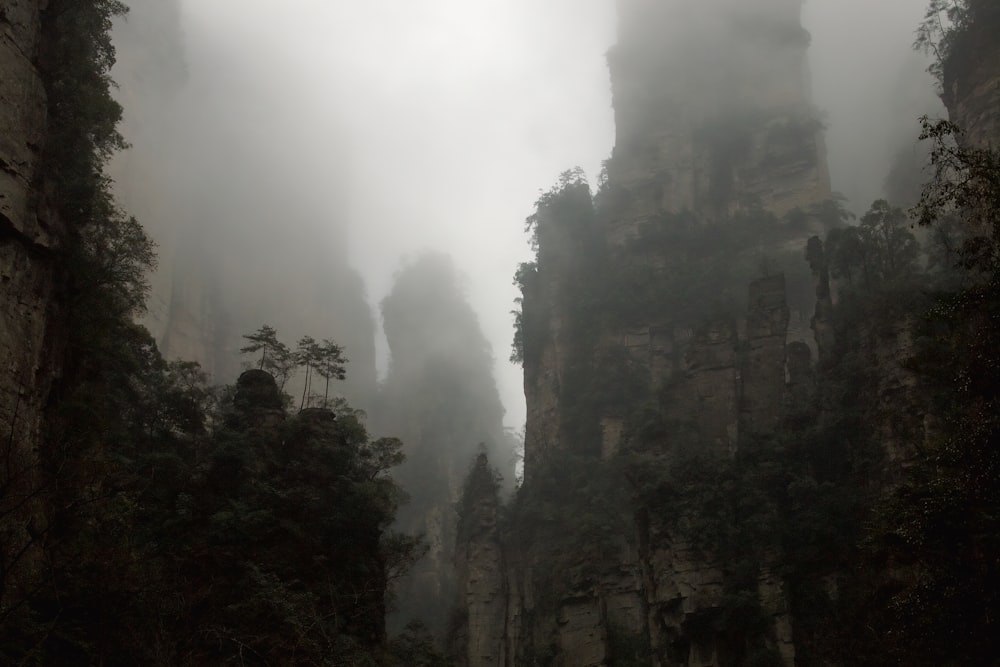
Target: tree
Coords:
[[965, 187], [381, 455], [889, 249], [937, 34], [330, 363], [282, 545], [832, 212], [881, 248], [307, 354], [414, 647], [263, 340], [940, 525], [844, 250]]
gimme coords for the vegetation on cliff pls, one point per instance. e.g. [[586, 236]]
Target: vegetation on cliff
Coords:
[[163, 521], [952, 32], [881, 564], [874, 500]]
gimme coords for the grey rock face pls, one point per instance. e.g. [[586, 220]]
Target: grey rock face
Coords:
[[29, 234], [764, 367], [972, 86], [30, 319], [646, 593]]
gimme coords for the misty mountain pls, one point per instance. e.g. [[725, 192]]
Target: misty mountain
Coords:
[[440, 398], [249, 215], [754, 333]]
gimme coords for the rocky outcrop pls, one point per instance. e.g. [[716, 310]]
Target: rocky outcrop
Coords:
[[546, 323], [543, 367], [481, 639], [971, 85], [440, 399], [643, 592], [898, 411], [711, 393], [644, 375], [29, 232], [762, 405], [32, 325], [713, 111], [821, 323]]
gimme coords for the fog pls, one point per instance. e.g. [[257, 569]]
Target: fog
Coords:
[[871, 86], [441, 399], [336, 134]]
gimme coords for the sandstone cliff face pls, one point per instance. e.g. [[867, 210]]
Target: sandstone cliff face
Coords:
[[643, 593], [972, 82], [762, 404], [482, 585], [29, 234], [618, 583], [546, 326], [713, 111], [32, 325]]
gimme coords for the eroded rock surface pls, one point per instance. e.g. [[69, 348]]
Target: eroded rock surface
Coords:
[[29, 232]]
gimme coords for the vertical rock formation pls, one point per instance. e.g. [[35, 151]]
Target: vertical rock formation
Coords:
[[33, 240], [641, 349], [440, 398], [762, 404], [30, 234], [546, 328], [481, 572], [971, 76], [713, 110]]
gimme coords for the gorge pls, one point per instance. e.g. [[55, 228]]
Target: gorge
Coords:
[[760, 430]]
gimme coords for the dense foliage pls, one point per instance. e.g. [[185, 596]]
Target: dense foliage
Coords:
[[163, 521], [935, 534], [953, 32]]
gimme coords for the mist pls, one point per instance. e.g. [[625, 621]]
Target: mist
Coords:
[[441, 399], [356, 135], [872, 88], [504, 332]]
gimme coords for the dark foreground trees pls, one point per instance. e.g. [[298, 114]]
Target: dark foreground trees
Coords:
[[186, 530]]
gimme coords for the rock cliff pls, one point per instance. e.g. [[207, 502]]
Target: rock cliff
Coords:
[[32, 322], [440, 398], [30, 233], [713, 110], [647, 340], [971, 77], [585, 574]]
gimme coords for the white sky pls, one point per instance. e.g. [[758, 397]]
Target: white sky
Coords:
[[451, 115]]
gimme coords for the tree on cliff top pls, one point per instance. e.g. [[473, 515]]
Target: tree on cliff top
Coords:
[[946, 25], [880, 252]]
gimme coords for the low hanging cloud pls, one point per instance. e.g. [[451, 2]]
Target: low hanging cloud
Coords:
[[362, 133]]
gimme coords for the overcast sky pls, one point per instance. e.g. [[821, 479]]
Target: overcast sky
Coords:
[[449, 116]]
